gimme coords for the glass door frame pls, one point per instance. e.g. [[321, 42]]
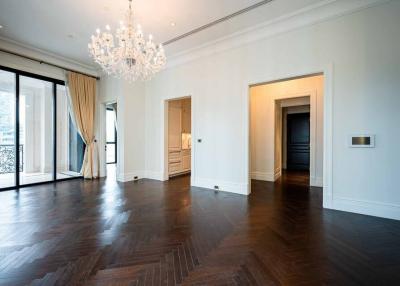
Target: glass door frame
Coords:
[[112, 142], [55, 82]]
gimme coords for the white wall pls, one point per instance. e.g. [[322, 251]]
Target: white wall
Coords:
[[266, 102], [362, 48], [130, 101]]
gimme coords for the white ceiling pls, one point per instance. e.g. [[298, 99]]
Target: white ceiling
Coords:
[[48, 24]]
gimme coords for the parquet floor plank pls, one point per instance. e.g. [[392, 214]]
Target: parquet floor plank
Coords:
[[166, 233]]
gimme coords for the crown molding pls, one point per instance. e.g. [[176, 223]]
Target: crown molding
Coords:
[[311, 15], [14, 46]]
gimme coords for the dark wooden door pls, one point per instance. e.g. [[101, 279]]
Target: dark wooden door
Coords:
[[298, 141]]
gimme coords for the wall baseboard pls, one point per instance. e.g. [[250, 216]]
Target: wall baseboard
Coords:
[[277, 174], [266, 176], [230, 187], [316, 182], [159, 176], [385, 210], [127, 177], [263, 176]]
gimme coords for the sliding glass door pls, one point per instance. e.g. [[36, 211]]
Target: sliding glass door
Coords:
[[7, 129], [35, 116], [36, 130]]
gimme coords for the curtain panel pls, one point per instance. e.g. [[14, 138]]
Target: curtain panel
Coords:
[[82, 99]]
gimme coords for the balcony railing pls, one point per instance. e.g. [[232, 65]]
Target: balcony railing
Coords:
[[7, 158]]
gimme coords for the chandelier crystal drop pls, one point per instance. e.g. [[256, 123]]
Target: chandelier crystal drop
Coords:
[[127, 54]]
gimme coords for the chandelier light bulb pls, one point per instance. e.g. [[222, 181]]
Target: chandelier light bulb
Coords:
[[108, 27]]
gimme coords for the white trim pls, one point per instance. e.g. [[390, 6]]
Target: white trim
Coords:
[[224, 186], [127, 177], [328, 121], [159, 176], [373, 208], [311, 15], [328, 138], [263, 176], [316, 182], [101, 139], [312, 94], [277, 174], [164, 136]]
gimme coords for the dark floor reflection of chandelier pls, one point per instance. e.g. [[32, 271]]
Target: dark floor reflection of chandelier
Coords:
[[127, 54]]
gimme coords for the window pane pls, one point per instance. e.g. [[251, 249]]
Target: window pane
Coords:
[[36, 130], [111, 153], [7, 129], [110, 121], [70, 146], [110, 136]]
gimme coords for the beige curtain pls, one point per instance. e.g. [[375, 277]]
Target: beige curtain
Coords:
[[82, 97]]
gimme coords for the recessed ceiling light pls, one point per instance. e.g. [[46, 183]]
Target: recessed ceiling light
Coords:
[[1, 27], [173, 24]]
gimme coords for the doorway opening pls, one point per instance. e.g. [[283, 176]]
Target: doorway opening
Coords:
[[286, 130], [179, 137], [111, 140]]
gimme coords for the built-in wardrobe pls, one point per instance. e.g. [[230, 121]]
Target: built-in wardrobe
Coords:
[[179, 136]]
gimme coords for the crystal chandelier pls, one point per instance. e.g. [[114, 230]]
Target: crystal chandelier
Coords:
[[130, 55]]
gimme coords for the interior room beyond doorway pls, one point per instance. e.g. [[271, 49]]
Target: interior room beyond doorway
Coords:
[[286, 129], [111, 140], [179, 137]]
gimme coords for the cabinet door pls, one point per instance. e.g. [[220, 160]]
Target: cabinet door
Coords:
[[174, 168], [186, 163], [186, 116], [174, 125]]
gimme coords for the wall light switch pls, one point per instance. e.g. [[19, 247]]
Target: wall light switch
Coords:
[[361, 141]]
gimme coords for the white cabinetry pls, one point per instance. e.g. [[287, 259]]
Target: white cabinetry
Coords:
[[179, 122]]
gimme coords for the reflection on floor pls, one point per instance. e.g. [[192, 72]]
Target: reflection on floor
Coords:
[[295, 177], [111, 172], [94, 232], [8, 180]]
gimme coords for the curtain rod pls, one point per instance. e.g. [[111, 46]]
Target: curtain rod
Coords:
[[46, 63]]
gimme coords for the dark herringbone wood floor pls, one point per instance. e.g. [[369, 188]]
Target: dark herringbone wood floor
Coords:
[[153, 233]]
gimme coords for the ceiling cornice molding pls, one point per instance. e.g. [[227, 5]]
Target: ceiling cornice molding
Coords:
[[218, 21], [313, 14], [39, 54]]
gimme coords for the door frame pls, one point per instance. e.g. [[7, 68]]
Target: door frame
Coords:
[[115, 136], [289, 131], [18, 73], [327, 72], [103, 139], [164, 155], [312, 94]]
